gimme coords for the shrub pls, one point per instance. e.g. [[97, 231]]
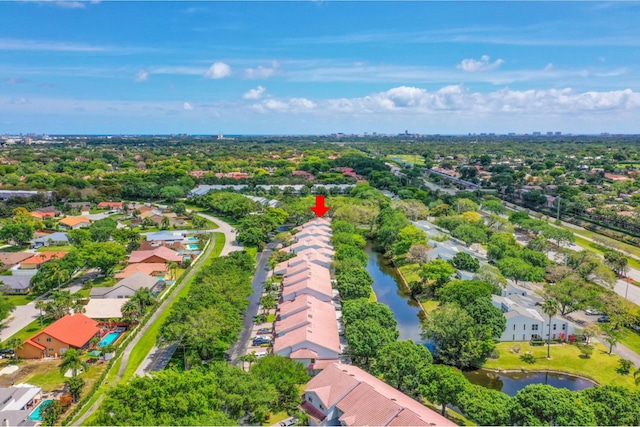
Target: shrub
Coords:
[[537, 343], [528, 358], [625, 366], [495, 354], [516, 348]]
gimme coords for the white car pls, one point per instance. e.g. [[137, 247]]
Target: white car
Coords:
[[261, 354], [592, 312], [289, 422]]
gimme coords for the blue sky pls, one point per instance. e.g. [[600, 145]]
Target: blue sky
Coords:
[[319, 67]]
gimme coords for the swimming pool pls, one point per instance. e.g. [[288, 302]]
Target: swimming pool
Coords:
[[192, 239], [109, 339], [192, 247], [35, 415]]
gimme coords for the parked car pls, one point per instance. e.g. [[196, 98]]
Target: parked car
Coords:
[[603, 319], [262, 331], [288, 423], [261, 354], [261, 339], [592, 312]]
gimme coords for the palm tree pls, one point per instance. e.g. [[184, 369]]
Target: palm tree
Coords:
[[144, 297], [251, 358], [71, 360], [173, 267], [14, 344], [130, 309], [550, 308], [41, 305], [57, 274]]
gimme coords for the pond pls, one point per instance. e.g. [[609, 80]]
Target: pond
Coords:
[[390, 290], [511, 382]]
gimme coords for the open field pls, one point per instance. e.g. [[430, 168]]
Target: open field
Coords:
[[21, 299], [600, 367], [55, 249], [415, 159], [631, 339]]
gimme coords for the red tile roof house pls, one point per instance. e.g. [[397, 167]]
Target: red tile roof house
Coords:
[[308, 335], [346, 395], [111, 205], [72, 331], [309, 257], [304, 272], [316, 222], [328, 253], [310, 243], [310, 286], [322, 237], [40, 258], [158, 255]]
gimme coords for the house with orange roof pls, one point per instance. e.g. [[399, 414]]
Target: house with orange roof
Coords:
[[155, 269], [310, 232], [347, 395], [71, 331], [308, 243], [42, 215], [40, 258], [328, 253], [311, 257], [74, 222], [118, 206], [159, 255], [306, 271]]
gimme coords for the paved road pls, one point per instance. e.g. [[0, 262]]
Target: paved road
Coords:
[[623, 351], [240, 347], [158, 357]]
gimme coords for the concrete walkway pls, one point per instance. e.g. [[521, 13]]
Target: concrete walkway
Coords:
[[622, 351]]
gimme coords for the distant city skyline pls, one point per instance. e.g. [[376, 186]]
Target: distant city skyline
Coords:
[[310, 68]]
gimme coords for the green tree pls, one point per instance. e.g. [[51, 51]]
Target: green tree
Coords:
[[285, 375], [465, 205], [75, 386], [130, 310], [470, 234], [171, 193], [408, 236], [104, 256], [570, 293], [492, 275], [611, 336], [458, 338], [418, 253], [613, 405], [484, 406], [464, 261], [550, 308], [442, 385], [72, 361], [437, 273], [514, 268], [13, 343], [6, 306], [144, 298], [494, 206], [49, 412], [541, 404], [79, 237], [354, 283], [366, 337], [19, 233], [616, 261], [400, 363]]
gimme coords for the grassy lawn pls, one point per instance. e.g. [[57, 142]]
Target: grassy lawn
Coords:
[[631, 339], [55, 249], [592, 235], [429, 304], [31, 329], [373, 297], [83, 293], [219, 244], [600, 367], [102, 282], [21, 299], [271, 318], [276, 418], [414, 159], [600, 249], [410, 272], [251, 250], [15, 249]]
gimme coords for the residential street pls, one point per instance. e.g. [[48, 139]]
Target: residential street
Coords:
[[262, 270]]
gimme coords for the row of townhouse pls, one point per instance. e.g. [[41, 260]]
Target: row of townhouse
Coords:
[[306, 327]]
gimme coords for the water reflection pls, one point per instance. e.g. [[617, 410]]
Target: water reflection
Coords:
[[511, 382], [390, 291]]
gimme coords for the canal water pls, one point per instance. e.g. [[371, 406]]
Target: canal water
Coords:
[[389, 289], [511, 382]]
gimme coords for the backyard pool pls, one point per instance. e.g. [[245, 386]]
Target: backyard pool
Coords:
[[192, 247], [35, 415], [192, 239], [109, 338]]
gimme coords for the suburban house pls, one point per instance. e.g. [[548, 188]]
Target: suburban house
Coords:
[[71, 331], [42, 215], [310, 243], [104, 308], [525, 319], [328, 253], [17, 402], [347, 395], [303, 272], [35, 261], [84, 207], [310, 286], [166, 236], [74, 222], [154, 269], [158, 255], [15, 285], [316, 222], [57, 238], [311, 232], [115, 206], [311, 257], [126, 287], [11, 259]]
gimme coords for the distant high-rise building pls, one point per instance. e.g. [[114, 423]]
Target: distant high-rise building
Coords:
[[558, 133], [536, 133]]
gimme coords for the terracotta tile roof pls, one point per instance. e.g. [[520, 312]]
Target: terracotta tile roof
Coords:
[[370, 401], [314, 413], [147, 268], [309, 271], [42, 257], [303, 287], [303, 353], [310, 243], [9, 259], [72, 221], [161, 252], [322, 364], [329, 253], [35, 344], [321, 331], [73, 329], [303, 302], [118, 205], [317, 314]]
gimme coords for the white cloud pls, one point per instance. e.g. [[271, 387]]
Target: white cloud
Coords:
[[15, 81], [548, 67], [142, 76], [261, 72], [292, 105], [219, 70], [254, 93], [186, 106], [19, 101], [70, 4], [472, 65]]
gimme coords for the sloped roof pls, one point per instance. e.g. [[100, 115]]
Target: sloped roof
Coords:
[[72, 221], [161, 251], [322, 331], [142, 267], [322, 287], [12, 258], [73, 329], [42, 257], [303, 302], [16, 282], [310, 271], [366, 400], [56, 237], [134, 282]]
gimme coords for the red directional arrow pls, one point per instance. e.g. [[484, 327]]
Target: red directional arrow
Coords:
[[320, 209]]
